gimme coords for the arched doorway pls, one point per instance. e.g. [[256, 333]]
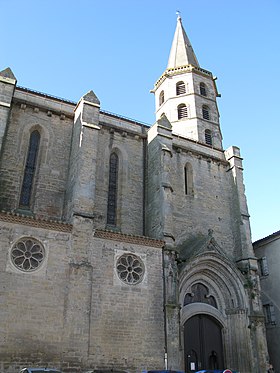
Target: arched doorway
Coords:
[[203, 347]]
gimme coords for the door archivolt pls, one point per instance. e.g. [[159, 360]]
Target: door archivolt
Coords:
[[211, 281]]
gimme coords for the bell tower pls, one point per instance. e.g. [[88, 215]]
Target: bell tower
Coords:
[[186, 94]]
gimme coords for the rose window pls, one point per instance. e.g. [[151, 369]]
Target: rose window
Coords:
[[27, 254], [130, 269]]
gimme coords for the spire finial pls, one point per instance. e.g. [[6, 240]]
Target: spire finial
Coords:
[[178, 14]]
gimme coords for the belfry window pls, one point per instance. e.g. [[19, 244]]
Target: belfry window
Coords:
[[161, 98], [188, 174], [113, 190], [202, 88], [30, 168], [180, 88], [205, 112], [208, 137], [182, 111]]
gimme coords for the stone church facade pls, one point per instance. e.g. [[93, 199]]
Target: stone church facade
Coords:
[[125, 246]]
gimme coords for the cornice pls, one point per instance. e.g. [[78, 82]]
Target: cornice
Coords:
[[17, 218], [128, 238], [179, 70]]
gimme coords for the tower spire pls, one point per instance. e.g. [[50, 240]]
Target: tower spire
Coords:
[[181, 53]]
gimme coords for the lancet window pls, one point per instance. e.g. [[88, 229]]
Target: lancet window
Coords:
[[113, 190], [30, 168], [188, 174]]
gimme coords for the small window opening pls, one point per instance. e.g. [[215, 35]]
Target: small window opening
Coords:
[[205, 112], [180, 88], [202, 88], [161, 98], [188, 174], [208, 137], [182, 111]]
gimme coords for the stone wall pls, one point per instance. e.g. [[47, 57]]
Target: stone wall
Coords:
[[74, 312]]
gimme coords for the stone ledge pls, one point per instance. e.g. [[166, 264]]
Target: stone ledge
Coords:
[[16, 218], [138, 240]]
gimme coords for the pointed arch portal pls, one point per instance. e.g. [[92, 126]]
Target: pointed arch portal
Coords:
[[203, 344]]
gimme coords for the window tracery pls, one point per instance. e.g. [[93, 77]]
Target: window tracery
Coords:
[[200, 294], [130, 269], [27, 254]]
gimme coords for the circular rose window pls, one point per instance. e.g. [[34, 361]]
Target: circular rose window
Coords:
[[130, 269], [27, 254]]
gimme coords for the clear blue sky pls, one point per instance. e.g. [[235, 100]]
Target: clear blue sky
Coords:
[[119, 49]]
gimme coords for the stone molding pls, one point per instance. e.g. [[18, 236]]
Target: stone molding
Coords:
[[138, 240], [16, 218]]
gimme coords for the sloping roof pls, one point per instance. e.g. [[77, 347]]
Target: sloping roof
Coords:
[[271, 237], [181, 53]]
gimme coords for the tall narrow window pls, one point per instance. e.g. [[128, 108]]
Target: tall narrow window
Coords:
[[180, 88], [161, 98], [208, 137], [202, 88], [29, 172], [182, 111], [205, 112], [113, 190], [188, 174]]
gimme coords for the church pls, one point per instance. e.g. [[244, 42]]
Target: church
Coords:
[[125, 247]]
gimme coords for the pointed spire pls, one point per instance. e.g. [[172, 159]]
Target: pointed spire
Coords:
[[91, 97], [7, 73], [181, 53]]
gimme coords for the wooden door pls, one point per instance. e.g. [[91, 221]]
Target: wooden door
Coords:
[[203, 345]]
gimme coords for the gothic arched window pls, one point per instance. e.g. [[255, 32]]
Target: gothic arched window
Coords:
[[188, 173], [205, 112], [30, 168], [182, 111], [180, 88], [202, 88], [161, 98], [208, 137], [113, 190]]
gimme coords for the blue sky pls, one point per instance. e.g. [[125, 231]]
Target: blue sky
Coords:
[[119, 49]]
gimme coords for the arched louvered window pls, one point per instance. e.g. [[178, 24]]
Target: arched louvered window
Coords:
[[161, 98], [30, 168], [202, 88], [182, 111], [188, 174], [113, 190], [180, 88], [208, 137], [205, 112]]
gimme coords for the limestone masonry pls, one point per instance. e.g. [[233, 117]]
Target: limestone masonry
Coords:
[[125, 247]]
